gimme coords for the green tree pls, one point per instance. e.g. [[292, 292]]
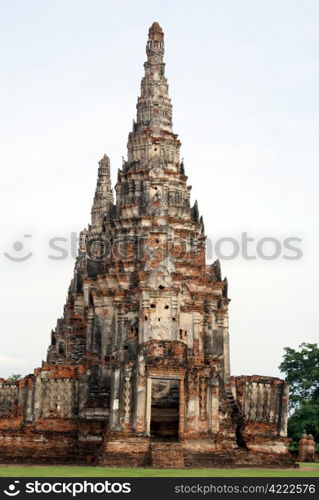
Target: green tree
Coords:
[[301, 369], [305, 418], [14, 377]]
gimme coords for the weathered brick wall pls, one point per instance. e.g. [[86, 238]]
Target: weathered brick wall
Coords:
[[57, 392], [264, 400], [264, 404]]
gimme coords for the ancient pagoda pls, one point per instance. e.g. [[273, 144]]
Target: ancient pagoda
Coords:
[[138, 370]]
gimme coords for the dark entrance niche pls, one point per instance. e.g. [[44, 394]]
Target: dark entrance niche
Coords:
[[165, 409], [239, 437]]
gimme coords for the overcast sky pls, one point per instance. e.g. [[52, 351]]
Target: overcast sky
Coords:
[[243, 79]]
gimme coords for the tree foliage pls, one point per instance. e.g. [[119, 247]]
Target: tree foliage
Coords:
[[304, 419], [14, 377], [301, 369]]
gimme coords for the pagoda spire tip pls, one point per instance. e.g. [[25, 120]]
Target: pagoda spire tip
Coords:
[[155, 32]]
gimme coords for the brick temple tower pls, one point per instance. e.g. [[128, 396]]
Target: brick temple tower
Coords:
[[138, 369]]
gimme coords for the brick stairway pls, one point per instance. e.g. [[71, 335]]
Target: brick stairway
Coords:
[[167, 454]]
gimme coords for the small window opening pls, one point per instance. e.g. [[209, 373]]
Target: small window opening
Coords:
[[161, 287], [173, 319], [183, 334], [166, 307], [153, 306]]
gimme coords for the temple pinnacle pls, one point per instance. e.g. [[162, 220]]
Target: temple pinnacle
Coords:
[[155, 32]]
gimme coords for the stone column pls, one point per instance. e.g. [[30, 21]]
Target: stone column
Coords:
[[115, 401], [193, 404], [141, 402], [141, 396], [120, 329], [215, 406], [198, 348], [175, 314], [148, 405], [226, 349], [181, 423], [143, 325], [29, 408], [38, 396], [90, 329], [283, 421], [126, 394]]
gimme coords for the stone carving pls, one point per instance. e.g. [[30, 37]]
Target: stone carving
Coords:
[[8, 399], [156, 168], [57, 398], [127, 399]]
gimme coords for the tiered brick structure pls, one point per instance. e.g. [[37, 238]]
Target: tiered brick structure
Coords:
[[138, 370]]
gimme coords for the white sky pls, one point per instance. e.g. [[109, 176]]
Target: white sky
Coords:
[[243, 78]]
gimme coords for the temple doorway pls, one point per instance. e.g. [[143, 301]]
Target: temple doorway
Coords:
[[165, 408]]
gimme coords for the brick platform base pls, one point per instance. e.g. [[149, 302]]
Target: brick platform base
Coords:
[[121, 450], [167, 455]]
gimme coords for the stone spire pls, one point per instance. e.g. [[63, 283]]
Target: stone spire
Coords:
[[103, 197], [154, 107], [152, 134]]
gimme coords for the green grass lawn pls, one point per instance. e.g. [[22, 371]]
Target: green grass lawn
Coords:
[[60, 471]]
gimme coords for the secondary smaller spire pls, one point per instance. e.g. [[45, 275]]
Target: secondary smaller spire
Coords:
[[103, 197]]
